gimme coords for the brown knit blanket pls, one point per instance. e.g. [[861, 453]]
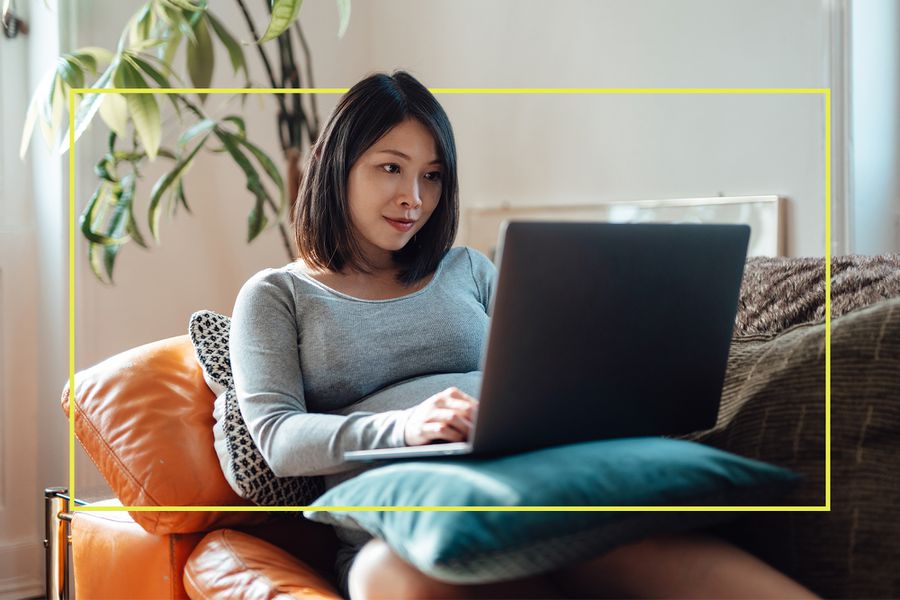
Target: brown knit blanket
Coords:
[[778, 293]]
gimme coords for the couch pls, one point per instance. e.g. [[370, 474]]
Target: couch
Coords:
[[145, 419]]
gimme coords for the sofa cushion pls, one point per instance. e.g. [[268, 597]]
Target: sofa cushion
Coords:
[[145, 418], [773, 409], [483, 546], [241, 462], [209, 333]]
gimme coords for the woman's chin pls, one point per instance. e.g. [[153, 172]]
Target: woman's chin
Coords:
[[397, 245]]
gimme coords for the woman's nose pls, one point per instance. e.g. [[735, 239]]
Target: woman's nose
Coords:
[[409, 194]]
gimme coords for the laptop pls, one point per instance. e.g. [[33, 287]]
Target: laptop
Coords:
[[599, 331]]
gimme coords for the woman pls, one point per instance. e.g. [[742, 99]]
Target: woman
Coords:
[[372, 339]]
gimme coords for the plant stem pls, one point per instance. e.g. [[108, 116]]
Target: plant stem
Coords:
[[284, 114], [268, 66], [314, 130], [286, 241], [291, 78], [191, 106], [255, 35]]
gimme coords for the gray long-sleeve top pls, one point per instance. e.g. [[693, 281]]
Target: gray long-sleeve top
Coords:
[[318, 372]]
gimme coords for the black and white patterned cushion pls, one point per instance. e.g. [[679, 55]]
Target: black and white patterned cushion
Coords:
[[247, 471]]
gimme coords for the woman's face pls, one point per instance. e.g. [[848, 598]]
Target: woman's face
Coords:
[[392, 190]]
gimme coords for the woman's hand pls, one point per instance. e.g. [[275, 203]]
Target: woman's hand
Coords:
[[447, 415]]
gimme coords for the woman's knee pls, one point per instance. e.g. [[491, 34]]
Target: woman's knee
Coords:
[[378, 573]]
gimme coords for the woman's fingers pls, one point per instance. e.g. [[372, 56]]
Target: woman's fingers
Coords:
[[458, 393], [452, 418], [448, 415], [461, 407], [453, 397], [445, 424], [443, 431]]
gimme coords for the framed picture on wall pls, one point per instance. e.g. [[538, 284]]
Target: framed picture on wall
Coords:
[[764, 214]]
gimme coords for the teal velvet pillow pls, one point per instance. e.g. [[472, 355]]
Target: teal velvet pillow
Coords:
[[484, 546]]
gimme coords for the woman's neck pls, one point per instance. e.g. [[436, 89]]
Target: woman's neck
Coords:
[[379, 285]]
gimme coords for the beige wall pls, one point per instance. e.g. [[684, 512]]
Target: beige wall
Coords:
[[582, 149]]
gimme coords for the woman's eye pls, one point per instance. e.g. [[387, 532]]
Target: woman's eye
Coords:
[[391, 168], [434, 176]]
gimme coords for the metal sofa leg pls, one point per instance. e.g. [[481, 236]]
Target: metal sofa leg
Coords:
[[56, 543]]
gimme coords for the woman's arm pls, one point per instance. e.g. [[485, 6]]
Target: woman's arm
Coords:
[[264, 348]]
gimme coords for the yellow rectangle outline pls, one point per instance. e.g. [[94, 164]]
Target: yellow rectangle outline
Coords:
[[826, 92]]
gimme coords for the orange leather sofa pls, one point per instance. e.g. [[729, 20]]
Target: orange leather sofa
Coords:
[[145, 418]]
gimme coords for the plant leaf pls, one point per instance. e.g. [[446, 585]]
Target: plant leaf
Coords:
[[114, 112], [98, 55], [149, 69], [110, 253], [53, 111], [163, 184], [131, 226], [89, 106], [167, 52], [203, 126], [118, 223], [167, 14], [139, 26], [47, 107], [94, 213], [179, 193], [70, 72], [85, 221], [235, 52], [34, 109], [94, 258], [283, 14], [187, 30], [28, 128], [200, 57], [165, 153], [147, 44], [85, 62], [154, 74], [344, 15], [183, 4], [142, 107], [269, 167], [175, 19], [256, 219], [242, 127], [105, 168], [165, 69]]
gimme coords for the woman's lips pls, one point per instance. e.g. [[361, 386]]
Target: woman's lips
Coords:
[[399, 225]]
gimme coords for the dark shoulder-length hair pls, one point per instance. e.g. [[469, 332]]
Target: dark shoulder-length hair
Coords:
[[322, 227]]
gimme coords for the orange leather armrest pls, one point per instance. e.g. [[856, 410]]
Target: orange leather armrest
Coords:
[[231, 564], [113, 557], [145, 417]]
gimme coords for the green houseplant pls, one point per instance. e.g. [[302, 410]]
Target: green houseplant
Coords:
[[145, 58]]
